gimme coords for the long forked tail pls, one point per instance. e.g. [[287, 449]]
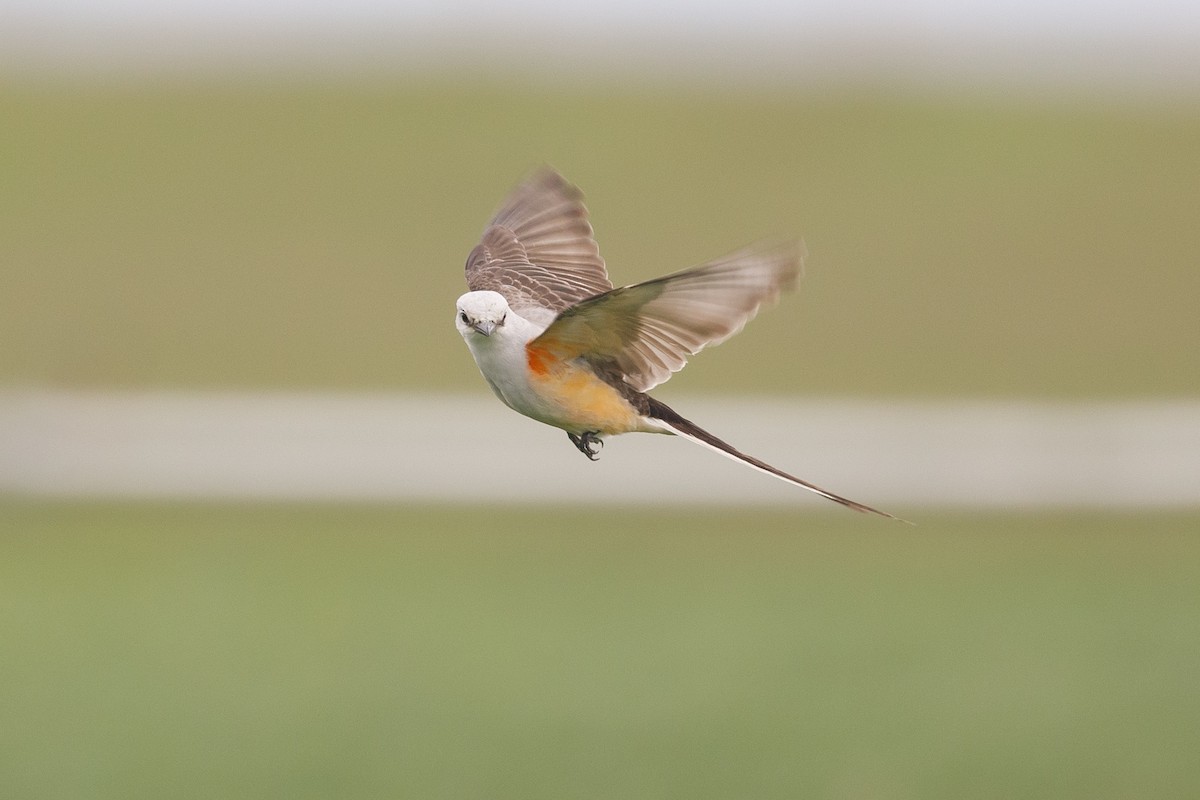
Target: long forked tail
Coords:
[[690, 430]]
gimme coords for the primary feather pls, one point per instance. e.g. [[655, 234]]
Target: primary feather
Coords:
[[538, 250]]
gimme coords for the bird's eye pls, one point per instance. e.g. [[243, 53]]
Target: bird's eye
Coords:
[[463, 316]]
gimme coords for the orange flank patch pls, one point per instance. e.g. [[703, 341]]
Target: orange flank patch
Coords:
[[600, 406], [581, 400], [551, 351], [538, 358]]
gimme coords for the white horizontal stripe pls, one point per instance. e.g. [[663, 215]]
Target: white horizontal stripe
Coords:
[[471, 449], [1111, 45]]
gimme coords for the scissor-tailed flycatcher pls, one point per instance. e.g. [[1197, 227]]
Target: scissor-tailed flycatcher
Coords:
[[558, 343]]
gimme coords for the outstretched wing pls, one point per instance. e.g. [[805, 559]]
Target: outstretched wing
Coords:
[[538, 250], [648, 330]]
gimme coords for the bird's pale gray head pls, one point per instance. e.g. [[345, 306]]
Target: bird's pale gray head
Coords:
[[480, 313]]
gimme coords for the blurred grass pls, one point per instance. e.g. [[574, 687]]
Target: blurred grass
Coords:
[[281, 234], [317, 651]]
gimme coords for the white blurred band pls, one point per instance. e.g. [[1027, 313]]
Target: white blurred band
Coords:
[[469, 449]]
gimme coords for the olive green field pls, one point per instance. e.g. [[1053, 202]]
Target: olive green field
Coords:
[[291, 234], [323, 651]]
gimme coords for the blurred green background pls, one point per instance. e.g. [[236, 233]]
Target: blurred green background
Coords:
[[283, 233], [322, 651]]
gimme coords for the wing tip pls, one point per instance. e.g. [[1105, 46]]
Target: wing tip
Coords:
[[545, 176]]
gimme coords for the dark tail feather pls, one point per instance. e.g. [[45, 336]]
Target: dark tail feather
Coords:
[[690, 430]]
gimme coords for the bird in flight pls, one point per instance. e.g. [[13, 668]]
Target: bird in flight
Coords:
[[558, 343]]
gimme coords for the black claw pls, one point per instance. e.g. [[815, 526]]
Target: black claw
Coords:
[[588, 443]]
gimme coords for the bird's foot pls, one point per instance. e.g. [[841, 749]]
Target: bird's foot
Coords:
[[589, 443]]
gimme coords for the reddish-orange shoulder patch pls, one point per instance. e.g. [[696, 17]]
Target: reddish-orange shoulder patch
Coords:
[[536, 358]]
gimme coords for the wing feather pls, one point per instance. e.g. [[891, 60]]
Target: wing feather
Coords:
[[538, 250], [649, 329]]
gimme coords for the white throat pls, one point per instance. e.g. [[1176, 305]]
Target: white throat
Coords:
[[502, 360]]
